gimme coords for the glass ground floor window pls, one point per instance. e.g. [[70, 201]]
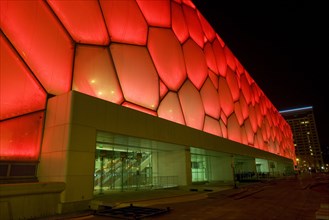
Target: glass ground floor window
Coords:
[[122, 169], [129, 163], [199, 168]]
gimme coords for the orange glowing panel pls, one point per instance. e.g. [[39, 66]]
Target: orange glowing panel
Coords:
[[233, 129], [138, 78], [206, 27], [256, 91], [167, 56], [41, 41], [238, 113], [281, 126], [220, 58], [245, 88], [20, 92], [244, 137], [250, 80], [244, 107], [272, 148], [256, 144], [170, 109], [212, 126], [253, 118], [260, 140], [196, 65], [223, 117], [269, 118], [139, 108], [262, 104], [279, 148], [237, 76], [263, 130], [267, 103], [20, 138], [210, 100], [210, 57], [179, 26], [267, 128], [223, 129], [163, 89], [249, 131], [258, 115], [233, 84], [253, 101], [125, 22], [214, 78], [194, 25], [225, 97], [222, 43], [230, 58], [275, 117], [157, 13], [83, 20], [273, 133], [287, 131], [94, 74], [192, 105], [239, 67], [188, 3]]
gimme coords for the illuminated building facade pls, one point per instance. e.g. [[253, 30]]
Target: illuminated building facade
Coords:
[[306, 139], [118, 95]]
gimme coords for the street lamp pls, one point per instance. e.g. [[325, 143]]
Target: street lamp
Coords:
[[297, 163]]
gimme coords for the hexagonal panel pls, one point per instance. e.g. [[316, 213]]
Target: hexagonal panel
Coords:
[[125, 21], [212, 126], [137, 76], [192, 105], [206, 27], [220, 57], [225, 97], [210, 99], [20, 137], [194, 25], [196, 65], [167, 56], [170, 109], [83, 20], [233, 129], [179, 26], [157, 13], [20, 92], [41, 41], [94, 74], [210, 58], [232, 82]]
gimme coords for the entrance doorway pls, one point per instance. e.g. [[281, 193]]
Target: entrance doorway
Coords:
[[130, 163], [116, 169]]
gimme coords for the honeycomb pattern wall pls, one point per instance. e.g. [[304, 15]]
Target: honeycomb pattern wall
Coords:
[[159, 57]]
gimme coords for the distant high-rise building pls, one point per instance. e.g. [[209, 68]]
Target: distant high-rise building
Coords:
[[306, 139]]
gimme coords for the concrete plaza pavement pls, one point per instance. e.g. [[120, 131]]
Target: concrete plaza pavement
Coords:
[[304, 197]]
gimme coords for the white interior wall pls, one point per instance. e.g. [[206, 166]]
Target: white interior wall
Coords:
[[172, 165]]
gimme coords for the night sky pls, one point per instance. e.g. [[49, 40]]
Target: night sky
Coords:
[[283, 44]]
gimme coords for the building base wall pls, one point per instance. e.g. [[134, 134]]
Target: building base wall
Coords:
[[29, 200], [69, 145], [70, 207]]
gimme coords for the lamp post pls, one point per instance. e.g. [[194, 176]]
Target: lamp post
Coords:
[[233, 170], [297, 165]]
